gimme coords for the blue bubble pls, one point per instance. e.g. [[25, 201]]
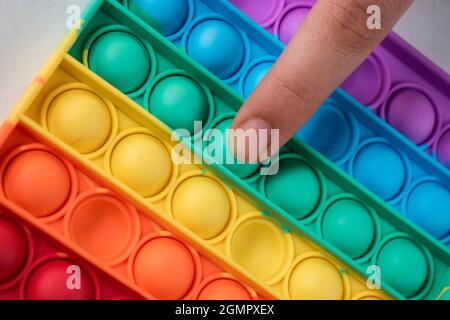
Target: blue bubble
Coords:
[[218, 46]]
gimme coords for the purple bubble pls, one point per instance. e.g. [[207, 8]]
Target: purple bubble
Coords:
[[290, 20], [370, 83], [413, 112]]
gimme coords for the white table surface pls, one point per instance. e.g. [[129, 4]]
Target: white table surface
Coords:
[[31, 29]]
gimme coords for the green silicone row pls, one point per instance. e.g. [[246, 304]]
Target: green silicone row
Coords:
[[326, 205]]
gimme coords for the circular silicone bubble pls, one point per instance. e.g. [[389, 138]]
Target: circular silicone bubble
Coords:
[[253, 75], [264, 13], [16, 251], [38, 181], [297, 188], [381, 168], [218, 287], [411, 110], [261, 247], [109, 55], [217, 45], [59, 278], [80, 118], [395, 256], [331, 132], [428, 205], [164, 267], [350, 226], [443, 147], [167, 16], [290, 20], [224, 155], [142, 162], [179, 101], [203, 205], [98, 215], [313, 277], [370, 83]]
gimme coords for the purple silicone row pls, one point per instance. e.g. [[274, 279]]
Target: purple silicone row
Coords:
[[397, 82]]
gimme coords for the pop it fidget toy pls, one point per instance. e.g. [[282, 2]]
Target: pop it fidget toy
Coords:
[[234, 229], [237, 234], [309, 218], [411, 100], [58, 196], [348, 138], [33, 267]]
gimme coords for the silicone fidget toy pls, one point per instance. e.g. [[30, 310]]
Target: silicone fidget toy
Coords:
[[404, 89], [33, 267], [112, 158], [414, 185], [222, 220], [110, 32], [195, 204], [37, 182]]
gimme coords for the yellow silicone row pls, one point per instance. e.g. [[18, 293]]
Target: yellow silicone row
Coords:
[[113, 136]]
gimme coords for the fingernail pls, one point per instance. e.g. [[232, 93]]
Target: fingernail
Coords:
[[251, 140]]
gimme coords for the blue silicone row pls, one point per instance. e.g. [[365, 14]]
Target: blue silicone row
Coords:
[[357, 141]]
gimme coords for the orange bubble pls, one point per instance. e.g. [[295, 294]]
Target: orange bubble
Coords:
[[165, 268], [98, 215], [37, 181]]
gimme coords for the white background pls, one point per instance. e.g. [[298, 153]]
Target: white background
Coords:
[[31, 29]]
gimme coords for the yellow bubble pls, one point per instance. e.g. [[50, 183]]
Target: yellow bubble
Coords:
[[202, 205], [81, 119], [142, 162], [261, 247], [315, 278]]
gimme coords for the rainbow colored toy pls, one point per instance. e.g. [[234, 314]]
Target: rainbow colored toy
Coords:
[[88, 160]]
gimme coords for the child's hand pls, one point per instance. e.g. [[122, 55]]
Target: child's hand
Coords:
[[332, 41]]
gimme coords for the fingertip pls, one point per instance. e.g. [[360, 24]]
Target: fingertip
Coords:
[[250, 140]]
